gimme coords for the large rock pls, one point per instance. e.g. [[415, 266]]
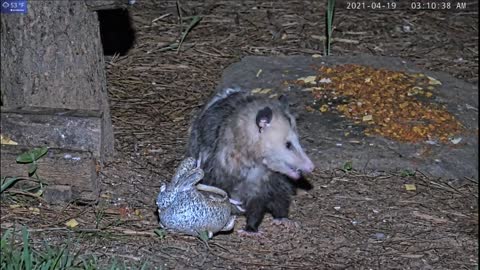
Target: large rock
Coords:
[[325, 131]]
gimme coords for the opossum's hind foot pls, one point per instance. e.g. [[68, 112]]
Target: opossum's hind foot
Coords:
[[287, 223], [254, 234]]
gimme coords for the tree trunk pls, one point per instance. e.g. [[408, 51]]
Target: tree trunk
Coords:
[[52, 57]]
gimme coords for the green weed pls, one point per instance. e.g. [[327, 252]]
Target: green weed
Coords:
[[16, 256], [329, 21]]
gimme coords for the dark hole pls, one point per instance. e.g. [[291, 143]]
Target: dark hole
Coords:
[[116, 31]]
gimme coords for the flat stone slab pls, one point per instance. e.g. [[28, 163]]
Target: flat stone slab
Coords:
[[324, 133], [69, 175], [78, 130]]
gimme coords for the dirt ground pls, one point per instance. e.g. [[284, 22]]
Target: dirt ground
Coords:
[[348, 220]]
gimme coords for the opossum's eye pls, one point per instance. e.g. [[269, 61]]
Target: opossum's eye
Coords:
[[289, 145]]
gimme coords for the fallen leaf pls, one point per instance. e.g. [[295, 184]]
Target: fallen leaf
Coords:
[[433, 81], [415, 91], [34, 210], [311, 89], [178, 119], [261, 91], [265, 91], [324, 108], [72, 223], [410, 187], [308, 79], [367, 118], [325, 80], [106, 196], [456, 140], [256, 90], [6, 140]]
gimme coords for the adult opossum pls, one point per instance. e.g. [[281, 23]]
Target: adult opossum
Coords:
[[249, 147]]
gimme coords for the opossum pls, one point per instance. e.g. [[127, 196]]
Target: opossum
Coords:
[[249, 146]]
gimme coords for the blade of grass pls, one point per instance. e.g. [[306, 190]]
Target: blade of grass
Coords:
[[26, 255], [195, 21], [330, 13], [7, 182], [144, 266], [57, 259]]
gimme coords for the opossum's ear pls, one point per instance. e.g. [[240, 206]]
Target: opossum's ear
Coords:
[[283, 101], [264, 117]]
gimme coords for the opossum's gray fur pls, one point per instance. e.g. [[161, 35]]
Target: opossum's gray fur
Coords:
[[224, 124]]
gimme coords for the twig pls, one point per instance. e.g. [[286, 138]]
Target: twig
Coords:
[[161, 17], [121, 256], [139, 233], [471, 179], [17, 191]]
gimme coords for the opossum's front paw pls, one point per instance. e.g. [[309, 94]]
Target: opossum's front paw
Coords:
[[257, 234], [238, 207], [286, 222]]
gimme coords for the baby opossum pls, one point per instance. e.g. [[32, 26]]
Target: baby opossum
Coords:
[[249, 147]]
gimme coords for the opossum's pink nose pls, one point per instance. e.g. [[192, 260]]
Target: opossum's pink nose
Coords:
[[309, 166]]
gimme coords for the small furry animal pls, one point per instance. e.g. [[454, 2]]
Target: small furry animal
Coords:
[[249, 147], [183, 205]]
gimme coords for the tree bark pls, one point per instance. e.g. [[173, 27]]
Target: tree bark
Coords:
[[52, 57]]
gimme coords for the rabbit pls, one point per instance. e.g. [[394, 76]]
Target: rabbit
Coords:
[[187, 207]]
